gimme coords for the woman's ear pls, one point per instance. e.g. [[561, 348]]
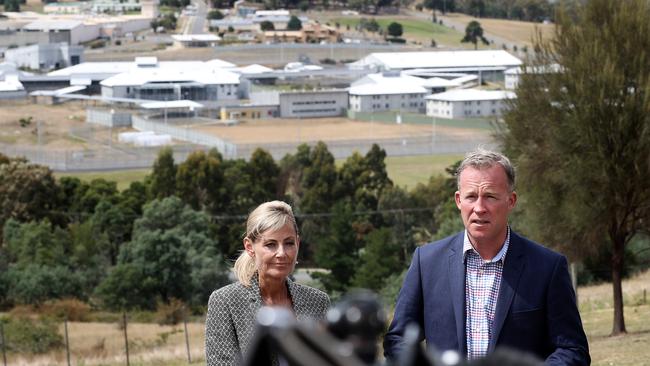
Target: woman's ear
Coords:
[[248, 247]]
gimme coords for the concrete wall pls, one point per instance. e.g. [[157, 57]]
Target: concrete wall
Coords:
[[106, 117], [465, 109], [44, 56], [313, 104], [19, 38], [388, 102]]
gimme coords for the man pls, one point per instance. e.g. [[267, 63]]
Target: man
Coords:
[[488, 287]]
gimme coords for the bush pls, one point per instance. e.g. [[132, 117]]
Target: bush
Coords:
[[396, 40], [25, 335], [73, 309], [327, 61], [171, 313], [98, 43]]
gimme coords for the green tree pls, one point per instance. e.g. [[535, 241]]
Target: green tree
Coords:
[[12, 5], [199, 179], [294, 23], [379, 259], [395, 29], [172, 255], [215, 14], [28, 192], [162, 182], [582, 149], [266, 26], [474, 33]]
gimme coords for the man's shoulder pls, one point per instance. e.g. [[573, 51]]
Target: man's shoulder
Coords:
[[533, 248], [454, 242]]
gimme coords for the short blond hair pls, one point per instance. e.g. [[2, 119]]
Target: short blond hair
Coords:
[[272, 215]]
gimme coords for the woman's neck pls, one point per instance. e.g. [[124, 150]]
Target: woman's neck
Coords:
[[274, 292]]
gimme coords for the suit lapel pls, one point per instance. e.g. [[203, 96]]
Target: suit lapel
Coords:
[[512, 269], [457, 285]]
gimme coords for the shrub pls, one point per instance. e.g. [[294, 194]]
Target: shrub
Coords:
[[73, 309], [171, 313], [25, 335], [98, 43], [327, 61]]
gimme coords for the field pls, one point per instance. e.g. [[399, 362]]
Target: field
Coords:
[[150, 344], [510, 30], [415, 30]]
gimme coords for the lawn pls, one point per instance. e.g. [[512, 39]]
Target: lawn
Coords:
[[414, 30], [122, 177], [408, 171], [403, 171]]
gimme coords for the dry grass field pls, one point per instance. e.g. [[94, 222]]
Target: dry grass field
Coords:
[[325, 129], [55, 121], [511, 30], [151, 344]]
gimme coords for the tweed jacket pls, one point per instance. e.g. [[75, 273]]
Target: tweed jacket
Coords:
[[230, 323]]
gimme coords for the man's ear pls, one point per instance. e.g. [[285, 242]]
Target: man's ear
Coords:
[[457, 198]]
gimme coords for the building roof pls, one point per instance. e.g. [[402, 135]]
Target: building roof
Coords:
[[438, 59], [196, 37], [380, 84], [48, 25], [251, 69], [462, 95], [171, 104], [199, 74]]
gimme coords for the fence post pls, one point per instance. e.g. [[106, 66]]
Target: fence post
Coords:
[[126, 339], [644, 298], [2, 335], [67, 340], [187, 337]]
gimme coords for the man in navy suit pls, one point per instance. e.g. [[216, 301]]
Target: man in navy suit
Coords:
[[488, 287]]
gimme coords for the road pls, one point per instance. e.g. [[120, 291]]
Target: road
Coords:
[[193, 22]]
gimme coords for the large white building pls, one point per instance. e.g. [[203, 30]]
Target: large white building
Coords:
[[45, 56], [468, 103], [488, 64], [317, 103], [387, 92], [197, 81]]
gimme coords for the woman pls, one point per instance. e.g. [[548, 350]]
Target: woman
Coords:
[[270, 251]]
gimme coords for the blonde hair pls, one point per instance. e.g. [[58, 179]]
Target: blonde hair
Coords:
[[271, 215]]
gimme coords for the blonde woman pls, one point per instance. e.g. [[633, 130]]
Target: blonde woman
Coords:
[[270, 251]]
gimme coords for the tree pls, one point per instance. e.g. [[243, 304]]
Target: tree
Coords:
[[582, 149], [28, 192], [378, 260], [266, 26], [162, 182], [474, 33], [12, 5], [294, 23], [199, 179], [215, 14], [395, 29]]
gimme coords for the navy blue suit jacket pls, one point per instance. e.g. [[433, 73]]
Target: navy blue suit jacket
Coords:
[[536, 310]]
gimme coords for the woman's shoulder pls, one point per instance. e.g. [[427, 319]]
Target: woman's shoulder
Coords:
[[228, 293], [311, 294]]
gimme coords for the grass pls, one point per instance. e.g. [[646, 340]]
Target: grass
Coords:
[[511, 30], [597, 316], [414, 30], [408, 171], [123, 177]]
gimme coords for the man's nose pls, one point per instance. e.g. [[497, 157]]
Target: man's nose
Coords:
[[479, 205]]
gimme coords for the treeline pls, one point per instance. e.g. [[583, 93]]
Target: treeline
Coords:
[[174, 234]]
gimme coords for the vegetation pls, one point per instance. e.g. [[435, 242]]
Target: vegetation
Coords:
[[215, 14], [294, 23], [395, 29], [474, 34], [582, 148], [267, 26]]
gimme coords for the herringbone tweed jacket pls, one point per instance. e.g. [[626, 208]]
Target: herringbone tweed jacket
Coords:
[[230, 322]]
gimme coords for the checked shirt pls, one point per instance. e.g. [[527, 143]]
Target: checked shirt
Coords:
[[482, 282]]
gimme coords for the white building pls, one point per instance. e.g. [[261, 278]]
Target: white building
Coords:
[[76, 31], [489, 64], [195, 81], [387, 92], [11, 87], [468, 103], [45, 56], [312, 104]]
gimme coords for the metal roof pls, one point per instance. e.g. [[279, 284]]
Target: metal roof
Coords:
[[379, 84], [47, 25], [462, 95], [439, 59], [171, 104]]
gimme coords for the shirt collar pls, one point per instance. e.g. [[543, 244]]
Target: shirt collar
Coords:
[[467, 246]]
